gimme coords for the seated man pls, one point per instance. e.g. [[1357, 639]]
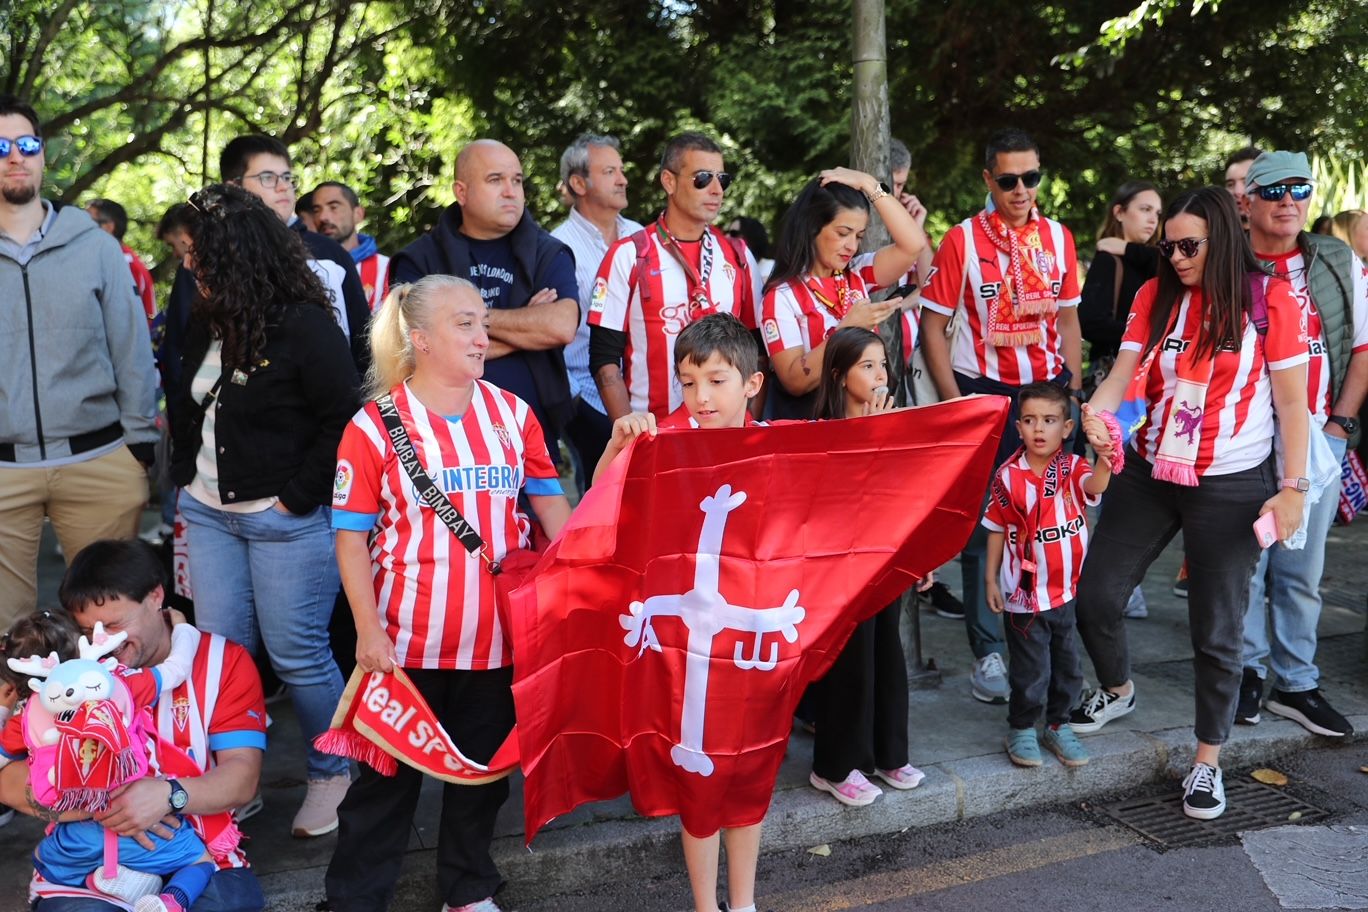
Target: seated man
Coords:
[[217, 716]]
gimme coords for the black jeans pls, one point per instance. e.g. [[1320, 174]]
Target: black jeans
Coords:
[[1141, 517], [376, 817], [1046, 672], [860, 705]]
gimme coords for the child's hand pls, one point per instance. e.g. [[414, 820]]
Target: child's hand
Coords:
[[1095, 429], [176, 617], [927, 582], [882, 402], [630, 427], [9, 695], [993, 595]]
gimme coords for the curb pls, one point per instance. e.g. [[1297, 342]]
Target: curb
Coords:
[[578, 858]]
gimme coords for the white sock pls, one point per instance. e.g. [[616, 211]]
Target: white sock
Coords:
[[750, 908]]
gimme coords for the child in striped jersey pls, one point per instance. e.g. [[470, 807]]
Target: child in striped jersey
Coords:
[[1037, 538], [716, 360]]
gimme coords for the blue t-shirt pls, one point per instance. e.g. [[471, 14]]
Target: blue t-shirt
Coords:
[[492, 268]]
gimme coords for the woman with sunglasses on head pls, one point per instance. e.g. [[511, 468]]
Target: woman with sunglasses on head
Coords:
[[267, 386], [822, 283], [1219, 349]]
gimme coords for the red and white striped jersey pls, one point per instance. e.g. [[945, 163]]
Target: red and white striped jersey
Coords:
[[1237, 416], [968, 257], [374, 271], [801, 313], [142, 282], [435, 599], [1292, 266], [1061, 535], [654, 309], [218, 707]]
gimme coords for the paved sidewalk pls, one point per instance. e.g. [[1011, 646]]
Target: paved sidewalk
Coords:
[[955, 739]]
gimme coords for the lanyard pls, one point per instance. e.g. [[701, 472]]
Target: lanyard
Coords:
[[697, 280], [844, 296]]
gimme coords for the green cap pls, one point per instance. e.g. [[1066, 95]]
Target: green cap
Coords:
[[1275, 167]]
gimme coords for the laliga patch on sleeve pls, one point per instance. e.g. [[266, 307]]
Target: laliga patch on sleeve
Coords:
[[342, 483], [600, 295], [771, 331]]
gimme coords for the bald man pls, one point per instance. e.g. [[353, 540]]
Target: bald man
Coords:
[[526, 277]]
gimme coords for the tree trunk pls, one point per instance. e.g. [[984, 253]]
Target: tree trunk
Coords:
[[869, 111]]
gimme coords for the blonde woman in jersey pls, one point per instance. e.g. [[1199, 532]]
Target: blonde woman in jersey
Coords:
[[419, 599]]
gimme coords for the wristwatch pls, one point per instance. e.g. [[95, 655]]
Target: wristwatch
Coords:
[[879, 192], [179, 797], [1297, 484], [1350, 425]]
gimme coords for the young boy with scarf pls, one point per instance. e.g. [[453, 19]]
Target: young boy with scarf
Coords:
[[1037, 537]]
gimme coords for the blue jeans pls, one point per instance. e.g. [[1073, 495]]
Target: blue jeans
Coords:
[[233, 890], [271, 578], [1291, 579]]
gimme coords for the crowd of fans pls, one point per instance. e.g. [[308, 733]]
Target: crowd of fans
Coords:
[[292, 356]]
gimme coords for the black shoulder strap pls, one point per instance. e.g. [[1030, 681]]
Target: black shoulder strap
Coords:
[[427, 490]]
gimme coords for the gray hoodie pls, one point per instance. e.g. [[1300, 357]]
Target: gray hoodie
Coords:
[[75, 356]]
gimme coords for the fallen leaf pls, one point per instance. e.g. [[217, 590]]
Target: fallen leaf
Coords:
[[1269, 777], [1295, 815], [823, 850]]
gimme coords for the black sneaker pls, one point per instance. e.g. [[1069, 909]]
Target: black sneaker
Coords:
[[944, 602], [1180, 587], [1251, 692], [1099, 707], [1310, 710], [1204, 793]]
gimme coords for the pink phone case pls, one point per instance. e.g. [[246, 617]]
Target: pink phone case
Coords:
[[1266, 529]]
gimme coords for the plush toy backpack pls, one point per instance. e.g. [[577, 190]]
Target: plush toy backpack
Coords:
[[84, 734]]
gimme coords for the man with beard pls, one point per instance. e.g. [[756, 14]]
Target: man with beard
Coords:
[[78, 405], [337, 210]]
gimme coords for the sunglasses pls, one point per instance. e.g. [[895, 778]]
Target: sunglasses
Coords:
[[1274, 193], [1007, 182], [702, 179], [1188, 247], [28, 146]]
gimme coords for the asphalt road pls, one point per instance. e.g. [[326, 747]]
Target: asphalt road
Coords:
[[1057, 859]]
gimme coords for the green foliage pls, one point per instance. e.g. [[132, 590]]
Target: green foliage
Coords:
[[139, 95]]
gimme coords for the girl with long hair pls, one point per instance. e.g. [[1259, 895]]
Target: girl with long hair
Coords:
[[860, 705], [821, 282], [266, 388], [420, 600], [1219, 350], [1127, 257]]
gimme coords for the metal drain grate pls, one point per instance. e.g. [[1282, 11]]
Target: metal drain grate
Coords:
[[1249, 806]]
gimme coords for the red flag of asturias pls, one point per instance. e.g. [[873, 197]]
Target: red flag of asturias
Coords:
[[706, 580]]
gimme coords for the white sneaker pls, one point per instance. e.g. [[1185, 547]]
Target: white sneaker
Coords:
[[988, 681], [250, 809], [1099, 707], [1136, 608], [318, 814], [127, 884], [1204, 793], [484, 905]]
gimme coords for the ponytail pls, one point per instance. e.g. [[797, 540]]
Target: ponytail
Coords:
[[406, 308]]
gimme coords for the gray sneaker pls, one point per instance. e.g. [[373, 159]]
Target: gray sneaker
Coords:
[[988, 682]]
